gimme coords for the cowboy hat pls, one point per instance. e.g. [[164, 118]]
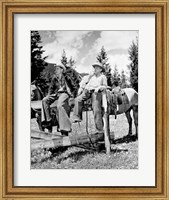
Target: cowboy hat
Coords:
[[98, 65], [61, 66]]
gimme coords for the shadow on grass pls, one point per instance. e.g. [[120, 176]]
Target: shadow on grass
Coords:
[[58, 150], [125, 139], [118, 150], [75, 156], [63, 153]]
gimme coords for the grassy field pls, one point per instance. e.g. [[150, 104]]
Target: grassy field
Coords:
[[124, 150]]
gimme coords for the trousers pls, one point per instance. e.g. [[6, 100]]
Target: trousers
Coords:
[[96, 106], [62, 108]]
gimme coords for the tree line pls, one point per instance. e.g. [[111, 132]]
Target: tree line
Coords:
[[42, 72]]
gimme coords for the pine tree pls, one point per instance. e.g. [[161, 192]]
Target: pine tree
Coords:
[[123, 79], [115, 74], [37, 62], [133, 67], [71, 62], [72, 77], [64, 59], [103, 60], [46, 76]]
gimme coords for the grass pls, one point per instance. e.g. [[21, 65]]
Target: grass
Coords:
[[124, 150]]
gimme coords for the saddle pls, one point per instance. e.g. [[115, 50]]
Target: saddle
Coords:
[[118, 97], [116, 100]]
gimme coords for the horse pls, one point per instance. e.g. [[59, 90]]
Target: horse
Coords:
[[36, 93], [127, 100]]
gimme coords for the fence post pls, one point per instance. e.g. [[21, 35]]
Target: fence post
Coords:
[[106, 122]]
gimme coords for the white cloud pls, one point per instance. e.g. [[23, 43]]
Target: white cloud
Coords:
[[49, 34], [83, 60], [70, 41], [121, 61], [84, 68], [115, 40], [116, 44]]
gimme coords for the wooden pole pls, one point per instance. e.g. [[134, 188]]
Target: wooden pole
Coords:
[[106, 123], [47, 141], [36, 134], [66, 141]]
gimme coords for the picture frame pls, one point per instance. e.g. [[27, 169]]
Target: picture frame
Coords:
[[8, 10]]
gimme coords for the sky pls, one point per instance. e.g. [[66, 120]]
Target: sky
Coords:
[[84, 46]]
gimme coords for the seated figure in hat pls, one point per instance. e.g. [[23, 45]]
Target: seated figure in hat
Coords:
[[91, 87], [58, 90]]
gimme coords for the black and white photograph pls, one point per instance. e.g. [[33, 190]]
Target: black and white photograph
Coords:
[[84, 99]]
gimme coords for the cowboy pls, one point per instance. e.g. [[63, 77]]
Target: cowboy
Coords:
[[95, 83], [58, 90], [84, 82]]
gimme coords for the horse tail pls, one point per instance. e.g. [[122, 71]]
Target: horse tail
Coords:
[[135, 98]]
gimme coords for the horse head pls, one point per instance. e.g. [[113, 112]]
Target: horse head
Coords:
[[36, 93]]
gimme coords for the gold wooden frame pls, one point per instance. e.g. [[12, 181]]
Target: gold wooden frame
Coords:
[[8, 9]]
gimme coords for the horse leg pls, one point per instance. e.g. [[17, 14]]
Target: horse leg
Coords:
[[129, 119], [135, 116]]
